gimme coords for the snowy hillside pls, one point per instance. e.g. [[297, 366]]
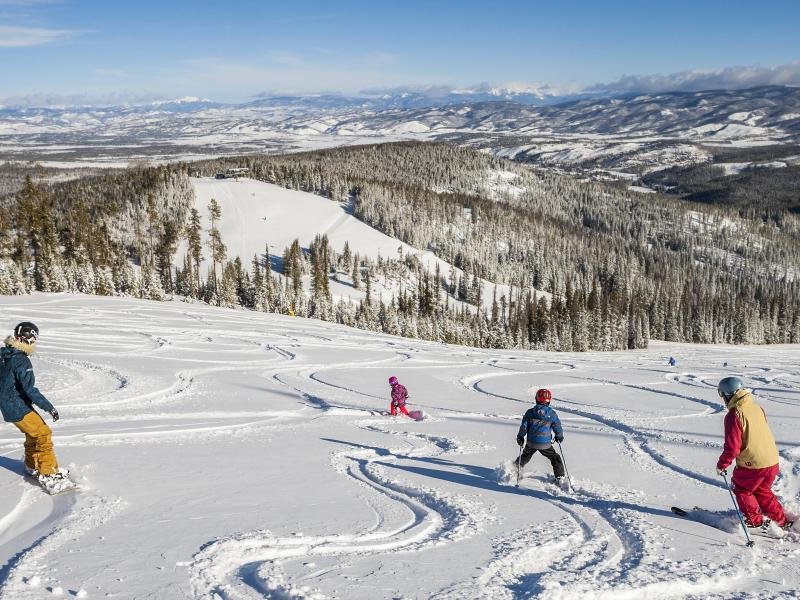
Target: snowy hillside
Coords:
[[231, 454], [255, 213]]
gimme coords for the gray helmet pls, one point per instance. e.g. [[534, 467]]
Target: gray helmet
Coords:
[[729, 386]]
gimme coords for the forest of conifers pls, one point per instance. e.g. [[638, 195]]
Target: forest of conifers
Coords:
[[589, 265]]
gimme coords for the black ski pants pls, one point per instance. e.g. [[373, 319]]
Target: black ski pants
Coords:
[[555, 458]]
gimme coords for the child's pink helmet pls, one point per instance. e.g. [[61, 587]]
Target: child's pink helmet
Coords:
[[393, 380]]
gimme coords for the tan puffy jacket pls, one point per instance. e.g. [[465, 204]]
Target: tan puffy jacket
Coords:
[[748, 437]]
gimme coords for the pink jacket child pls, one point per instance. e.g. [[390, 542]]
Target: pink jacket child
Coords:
[[399, 397]]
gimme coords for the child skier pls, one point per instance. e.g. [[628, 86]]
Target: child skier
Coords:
[[399, 397], [537, 424], [18, 394], [748, 439]]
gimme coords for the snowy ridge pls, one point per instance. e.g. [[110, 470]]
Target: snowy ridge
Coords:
[[234, 455]]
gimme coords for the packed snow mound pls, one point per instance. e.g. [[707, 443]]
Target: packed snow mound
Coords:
[[233, 454]]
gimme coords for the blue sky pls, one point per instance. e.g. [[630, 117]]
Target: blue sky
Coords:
[[235, 49]]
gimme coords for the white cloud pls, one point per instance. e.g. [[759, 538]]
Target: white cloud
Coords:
[[694, 81], [19, 37], [492, 89]]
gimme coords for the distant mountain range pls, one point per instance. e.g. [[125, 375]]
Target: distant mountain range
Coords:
[[633, 133]]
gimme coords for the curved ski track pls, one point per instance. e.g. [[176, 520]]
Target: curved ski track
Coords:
[[604, 544]]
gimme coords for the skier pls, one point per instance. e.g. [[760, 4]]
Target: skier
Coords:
[[18, 394], [399, 397], [538, 423], [749, 441], [672, 361]]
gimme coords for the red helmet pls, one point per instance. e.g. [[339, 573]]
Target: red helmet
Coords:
[[543, 396]]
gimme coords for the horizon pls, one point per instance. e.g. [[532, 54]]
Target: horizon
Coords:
[[56, 102], [124, 54]]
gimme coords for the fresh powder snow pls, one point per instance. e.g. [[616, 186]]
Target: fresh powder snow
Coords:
[[233, 454]]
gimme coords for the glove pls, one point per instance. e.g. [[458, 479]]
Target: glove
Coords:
[[559, 439], [722, 472], [520, 440], [54, 414]]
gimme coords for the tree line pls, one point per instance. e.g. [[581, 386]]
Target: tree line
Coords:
[[578, 266]]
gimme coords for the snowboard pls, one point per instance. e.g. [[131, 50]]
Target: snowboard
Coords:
[[61, 486], [728, 524]]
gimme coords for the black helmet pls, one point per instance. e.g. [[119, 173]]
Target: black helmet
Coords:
[[27, 332]]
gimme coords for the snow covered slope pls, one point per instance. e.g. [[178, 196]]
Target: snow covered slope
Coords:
[[230, 454], [255, 213]]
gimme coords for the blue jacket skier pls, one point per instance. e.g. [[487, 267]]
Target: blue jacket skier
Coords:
[[539, 425]]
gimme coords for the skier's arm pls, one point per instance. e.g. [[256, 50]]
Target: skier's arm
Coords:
[[556, 426], [523, 429], [23, 372], [733, 441]]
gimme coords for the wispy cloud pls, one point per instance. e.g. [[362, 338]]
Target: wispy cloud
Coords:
[[729, 78], [20, 37]]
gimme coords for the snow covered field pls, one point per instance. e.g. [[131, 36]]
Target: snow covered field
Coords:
[[230, 454]]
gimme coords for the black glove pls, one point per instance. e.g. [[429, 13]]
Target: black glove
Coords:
[[54, 414], [520, 440], [559, 439]]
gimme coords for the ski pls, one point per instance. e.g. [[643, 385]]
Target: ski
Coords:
[[711, 518]]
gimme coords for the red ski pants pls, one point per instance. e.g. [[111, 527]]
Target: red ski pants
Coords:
[[753, 489], [399, 408]]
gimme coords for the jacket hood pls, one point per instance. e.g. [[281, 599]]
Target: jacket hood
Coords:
[[13, 342], [738, 399]]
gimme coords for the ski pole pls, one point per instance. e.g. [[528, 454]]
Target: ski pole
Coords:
[[566, 470], [519, 460], [750, 543]]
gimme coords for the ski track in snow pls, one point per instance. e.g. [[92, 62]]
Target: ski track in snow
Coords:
[[518, 572], [152, 378]]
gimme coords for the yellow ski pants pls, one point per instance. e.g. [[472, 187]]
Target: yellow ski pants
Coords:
[[39, 453]]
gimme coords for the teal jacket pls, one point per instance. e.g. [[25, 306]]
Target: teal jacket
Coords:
[[18, 391]]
